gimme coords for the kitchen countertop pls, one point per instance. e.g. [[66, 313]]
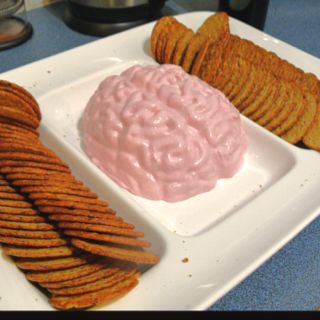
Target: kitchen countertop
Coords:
[[290, 280]]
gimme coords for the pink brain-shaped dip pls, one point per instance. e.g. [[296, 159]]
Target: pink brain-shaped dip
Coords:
[[163, 134]]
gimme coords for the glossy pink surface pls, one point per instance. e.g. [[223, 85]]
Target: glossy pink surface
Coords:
[[163, 134]]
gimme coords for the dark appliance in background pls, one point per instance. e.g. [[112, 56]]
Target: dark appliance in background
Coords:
[[252, 12], [105, 17]]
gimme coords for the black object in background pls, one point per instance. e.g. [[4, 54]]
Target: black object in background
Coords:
[[253, 12]]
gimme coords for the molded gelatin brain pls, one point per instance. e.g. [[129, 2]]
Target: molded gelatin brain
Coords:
[[163, 134]]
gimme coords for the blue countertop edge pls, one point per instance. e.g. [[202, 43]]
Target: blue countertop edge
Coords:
[[290, 280]]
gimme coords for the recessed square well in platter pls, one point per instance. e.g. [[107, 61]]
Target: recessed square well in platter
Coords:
[[266, 161]]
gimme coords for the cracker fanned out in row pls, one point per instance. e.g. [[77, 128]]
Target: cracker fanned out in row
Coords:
[[262, 86], [37, 194]]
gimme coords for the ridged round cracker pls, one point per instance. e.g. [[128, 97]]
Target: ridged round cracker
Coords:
[[65, 274], [53, 264], [29, 234], [26, 226], [15, 203], [30, 164], [22, 218], [62, 178], [97, 285], [158, 27], [70, 204], [11, 196], [22, 93], [110, 213], [296, 133], [14, 114], [92, 220], [39, 243], [215, 26], [176, 31], [11, 99], [286, 106], [100, 274], [22, 211], [18, 125], [193, 48], [107, 238], [100, 228], [62, 189], [20, 131], [181, 47], [65, 197], [73, 185], [90, 299], [12, 155], [312, 136], [16, 251], [294, 116], [117, 253]]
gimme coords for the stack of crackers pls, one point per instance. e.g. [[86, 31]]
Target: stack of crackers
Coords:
[[263, 87], [57, 231]]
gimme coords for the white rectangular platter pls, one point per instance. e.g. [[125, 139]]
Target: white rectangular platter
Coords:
[[226, 233]]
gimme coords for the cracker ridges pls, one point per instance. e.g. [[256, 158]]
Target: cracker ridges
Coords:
[[97, 275], [18, 251], [107, 238], [66, 273], [97, 285], [90, 299], [297, 132], [53, 264], [117, 253]]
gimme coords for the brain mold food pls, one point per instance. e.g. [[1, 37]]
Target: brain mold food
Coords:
[[163, 134]]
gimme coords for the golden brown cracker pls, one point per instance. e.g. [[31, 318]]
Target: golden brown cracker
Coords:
[[22, 218], [100, 274], [175, 32], [102, 220], [312, 137], [293, 117], [136, 256], [286, 107], [62, 189], [13, 155], [53, 264], [11, 196], [14, 114], [37, 226], [196, 66], [22, 93], [215, 26], [39, 243], [15, 203], [158, 27], [29, 234], [9, 98], [296, 133], [71, 204], [67, 273], [107, 238], [97, 285], [16, 251], [87, 300], [181, 47], [276, 105], [192, 50], [109, 214], [31, 164], [100, 228]]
